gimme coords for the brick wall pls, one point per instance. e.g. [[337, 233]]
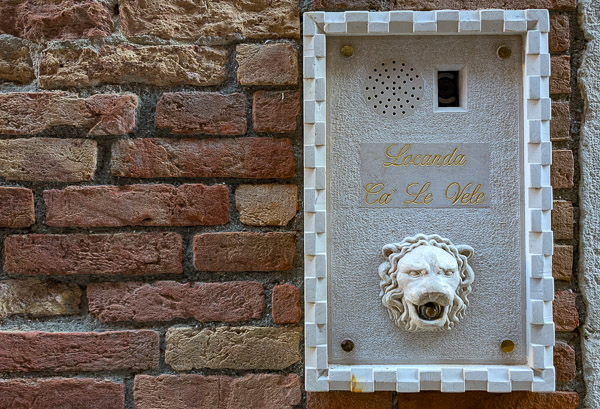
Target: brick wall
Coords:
[[150, 181]]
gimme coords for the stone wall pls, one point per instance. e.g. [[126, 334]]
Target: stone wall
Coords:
[[151, 177]]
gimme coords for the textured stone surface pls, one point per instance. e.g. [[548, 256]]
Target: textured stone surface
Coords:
[[78, 351], [262, 391], [137, 205], [562, 220], [202, 113], [253, 158], [564, 362], [560, 79], [562, 263], [47, 159], [16, 207], [346, 4], [287, 308], [167, 65], [225, 20], [34, 112], [61, 393], [42, 20], [484, 400], [241, 251], [477, 4], [275, 111], [560, 124], [562, 169], [266, 205], [267, 64], [168, 300], [566, 317], [349, 400], [559, 33], [38, 299], [232, 347], [15, 60], [100, 254]]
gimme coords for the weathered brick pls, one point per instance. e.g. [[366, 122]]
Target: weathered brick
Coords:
[[275, 111], [560, 125], [566, 317], [253, 158], [47, 159], [78, 351], [562, 169], [34, 112], [232, 348], [267, 64], [35, 298], [562, 220], [266, 205], [168, 300], [40, 21], [15, 61], [99, 254], [162, 66], [224, 20], [488, 4], [61, 393], [560, 79], [562, 263], [564, 362], [559, 33], [190, 391], [287, 308], [16, 207], [349, 400], [202, 113], [137, 205], [241, 251], [346, 4], [480, 400]]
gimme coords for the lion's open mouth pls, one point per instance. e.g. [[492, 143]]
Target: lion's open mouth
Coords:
[[430, 311]]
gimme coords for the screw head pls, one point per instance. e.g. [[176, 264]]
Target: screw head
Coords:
[[347, 51], [347, 345], [504, 52], [507, 346]]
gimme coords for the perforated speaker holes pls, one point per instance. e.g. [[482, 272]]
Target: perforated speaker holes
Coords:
[[393, 89]]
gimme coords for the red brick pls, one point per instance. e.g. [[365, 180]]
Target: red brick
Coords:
[[346, 4], [267, 64], [202, 113], [562, 220], [16, 207], [244, 251], [168, 300], [560, 125], [47, 159], [253, 158], [566, 317], [39, 20], [562, 263], [560, 79], [564, 362], [98, 254], [61, 393], [484, 400], [559, 33], [488, 4], [287, 308], [562, 169], [349, 400], [275, 111], [78, 351], [137, 205], [192, 391]]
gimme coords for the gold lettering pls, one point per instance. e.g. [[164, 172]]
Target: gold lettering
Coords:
[[383, 198], [422, 195], [396, 158], [456, 194], [402, 158]]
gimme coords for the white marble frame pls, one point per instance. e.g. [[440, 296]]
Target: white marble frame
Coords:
[[538, 375]]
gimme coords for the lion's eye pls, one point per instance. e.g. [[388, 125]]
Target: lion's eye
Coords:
[[416, 273], [447, 273]]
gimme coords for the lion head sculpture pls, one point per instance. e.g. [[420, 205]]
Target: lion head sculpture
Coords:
[[425, 282]]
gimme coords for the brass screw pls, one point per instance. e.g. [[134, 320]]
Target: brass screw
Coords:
[[347, 51], [507, 346], [504, 52], [347, 345]]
